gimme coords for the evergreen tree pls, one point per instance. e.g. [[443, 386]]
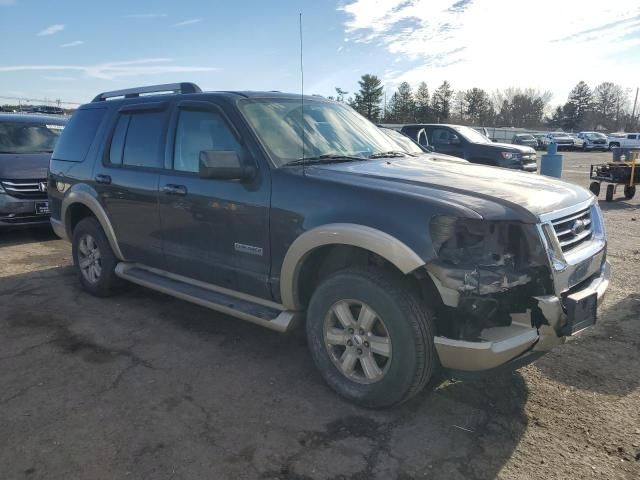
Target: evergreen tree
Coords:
[[441, 103], [578, 106], [479, 107], [367, 100], [421, 99]]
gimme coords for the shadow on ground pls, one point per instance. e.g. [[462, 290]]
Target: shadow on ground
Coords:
[[17, 236], [144, 385]]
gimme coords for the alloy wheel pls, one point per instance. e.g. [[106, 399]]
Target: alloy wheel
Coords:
[[357, 341], [89, 258]]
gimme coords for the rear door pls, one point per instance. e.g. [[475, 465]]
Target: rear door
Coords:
[[216, 231], [127, 179]]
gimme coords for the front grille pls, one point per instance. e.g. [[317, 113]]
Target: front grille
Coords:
[[599, 142], [27, 189], [573, 230]]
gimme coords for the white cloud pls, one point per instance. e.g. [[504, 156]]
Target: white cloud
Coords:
[[146, 15], [72, 44], [492, 44], [115, 70], [188, 22], [51, 29], [58, 78]]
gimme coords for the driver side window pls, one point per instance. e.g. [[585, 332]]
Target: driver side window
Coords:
[[200, 130], [441, 136]]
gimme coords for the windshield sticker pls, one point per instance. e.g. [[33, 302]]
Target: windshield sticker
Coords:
[[55, 127]]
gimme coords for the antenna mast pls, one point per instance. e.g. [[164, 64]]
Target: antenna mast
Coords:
[[301, 92]]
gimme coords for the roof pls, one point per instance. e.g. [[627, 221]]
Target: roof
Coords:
[[33, 118]]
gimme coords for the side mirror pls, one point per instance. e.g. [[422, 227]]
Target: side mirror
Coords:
[[223, 165], [454, 140]]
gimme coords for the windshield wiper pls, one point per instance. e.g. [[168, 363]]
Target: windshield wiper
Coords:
[[326, 158], [391, 154]]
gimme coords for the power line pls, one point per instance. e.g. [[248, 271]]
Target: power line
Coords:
[[25, 99]]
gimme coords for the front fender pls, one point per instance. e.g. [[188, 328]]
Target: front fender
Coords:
[[376, 241]]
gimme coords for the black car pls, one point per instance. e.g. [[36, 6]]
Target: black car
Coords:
[[525, 139], [278, 211], [26, 143], [468, 143]]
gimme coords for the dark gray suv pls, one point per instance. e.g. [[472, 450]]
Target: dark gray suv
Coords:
[[276, 209]]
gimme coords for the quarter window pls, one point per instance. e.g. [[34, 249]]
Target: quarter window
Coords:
[[197, 131]]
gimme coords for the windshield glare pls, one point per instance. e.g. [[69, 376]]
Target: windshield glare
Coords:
[[328, 128], [595, 135], [23, 137], [472, 135]]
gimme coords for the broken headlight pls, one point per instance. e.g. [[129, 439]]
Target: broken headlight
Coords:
[[479, 257]]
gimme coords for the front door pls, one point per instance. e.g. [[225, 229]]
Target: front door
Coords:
[[446, 141], [216, 231], [127, 180]]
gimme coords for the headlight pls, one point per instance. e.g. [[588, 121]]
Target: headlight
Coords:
[[511, 156]]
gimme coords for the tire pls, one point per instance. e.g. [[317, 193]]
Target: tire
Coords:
[[629, 191], [609, 196], [595, 188], [613, 145], [90, 244], [399, 315]]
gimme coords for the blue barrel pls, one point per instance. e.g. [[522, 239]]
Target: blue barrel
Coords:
[[551, 162]]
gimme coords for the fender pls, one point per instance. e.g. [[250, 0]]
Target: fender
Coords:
[[87, 196], [376, 241]]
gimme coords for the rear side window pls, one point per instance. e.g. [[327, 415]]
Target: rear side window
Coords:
[[78, 135], [137, 140], [197, 131]]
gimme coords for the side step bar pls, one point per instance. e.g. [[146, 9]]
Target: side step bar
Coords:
[[246, 307]]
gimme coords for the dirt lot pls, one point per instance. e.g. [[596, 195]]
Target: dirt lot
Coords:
[[148, 387]]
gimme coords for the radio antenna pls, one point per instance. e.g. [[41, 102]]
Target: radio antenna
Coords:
[[301, 92]]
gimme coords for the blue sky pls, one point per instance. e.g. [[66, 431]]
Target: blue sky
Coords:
[[72, 49]]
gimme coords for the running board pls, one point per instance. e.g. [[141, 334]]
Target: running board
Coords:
[[256, 310]]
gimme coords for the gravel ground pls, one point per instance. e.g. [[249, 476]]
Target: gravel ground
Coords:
[[145, 386]]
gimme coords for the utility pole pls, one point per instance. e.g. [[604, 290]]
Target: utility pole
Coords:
[[633, 112]]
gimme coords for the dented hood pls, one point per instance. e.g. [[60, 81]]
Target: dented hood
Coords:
[[527, 193]]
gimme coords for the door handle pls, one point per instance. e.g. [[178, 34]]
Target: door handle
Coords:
[[172, 189], [105, 179]]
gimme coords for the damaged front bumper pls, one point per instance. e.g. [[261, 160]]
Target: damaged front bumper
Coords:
[[500, 345], [523, 324]]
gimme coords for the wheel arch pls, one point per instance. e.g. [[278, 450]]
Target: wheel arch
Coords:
[[368, 239], [77, 203]]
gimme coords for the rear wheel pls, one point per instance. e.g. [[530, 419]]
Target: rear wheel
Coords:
[[629, 191], [595, 188], [371, 337], [93, 258], [609, 196]]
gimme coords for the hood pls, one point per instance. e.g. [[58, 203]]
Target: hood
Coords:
[[527, 194], [510, 147], [24, 166]]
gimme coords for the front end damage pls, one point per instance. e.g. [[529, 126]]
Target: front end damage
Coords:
[[502, 295]]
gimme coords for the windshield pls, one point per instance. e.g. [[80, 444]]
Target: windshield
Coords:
[[23, 137], [330, 129], [472, 135], [405, 143], [526, 137], [558, 135], [595, 135]]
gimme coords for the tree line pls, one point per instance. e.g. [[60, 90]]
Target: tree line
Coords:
[[606, 107]]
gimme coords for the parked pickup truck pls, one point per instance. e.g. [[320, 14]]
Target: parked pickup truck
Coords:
[[278, 211], [468, 143], [626, 140]]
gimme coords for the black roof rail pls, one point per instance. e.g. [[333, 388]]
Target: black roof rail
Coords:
[[184, 87]]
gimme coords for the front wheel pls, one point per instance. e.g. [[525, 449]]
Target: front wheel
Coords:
[[629, 191], [371, 337]]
